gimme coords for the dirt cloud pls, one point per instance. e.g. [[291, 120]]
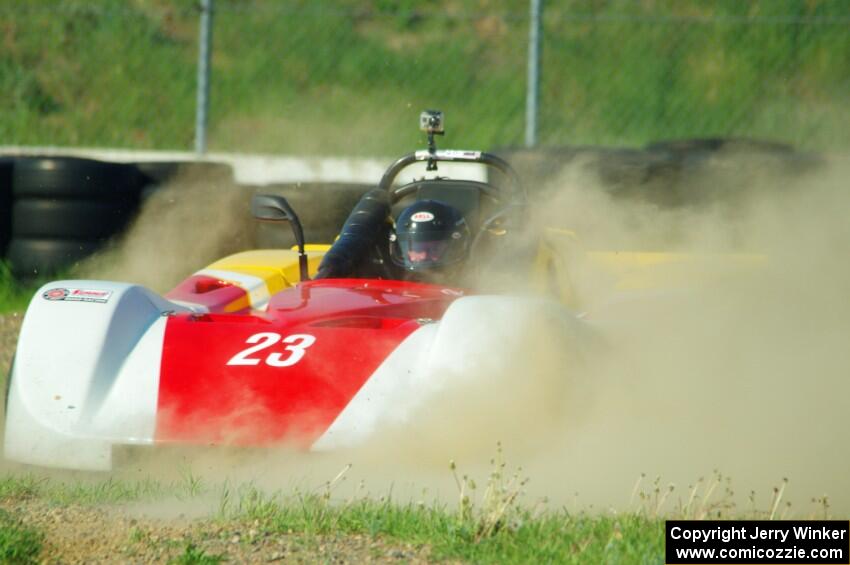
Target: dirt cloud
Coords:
[[196, 217], [739, 364], [732, 356]]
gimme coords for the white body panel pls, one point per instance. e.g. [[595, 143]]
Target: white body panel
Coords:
[[85, 375], [388, 396], [460, 366]]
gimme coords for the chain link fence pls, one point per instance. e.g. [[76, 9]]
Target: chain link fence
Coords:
[[349, 77]]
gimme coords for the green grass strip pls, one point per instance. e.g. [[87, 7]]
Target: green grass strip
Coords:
[[92, 491], [14, 295], [193, 555], [480, 535], [19, 544]]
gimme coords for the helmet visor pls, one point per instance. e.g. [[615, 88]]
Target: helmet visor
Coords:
[[424, 254]]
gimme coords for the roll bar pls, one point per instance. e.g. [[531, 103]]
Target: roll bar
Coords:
[[453, 155]]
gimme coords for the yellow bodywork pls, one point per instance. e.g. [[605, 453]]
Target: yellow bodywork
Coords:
[[561, 260], [276, 268]]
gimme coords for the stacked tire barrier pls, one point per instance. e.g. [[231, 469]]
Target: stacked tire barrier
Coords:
[[65, 208], [5, 203], [56, 211], [682, 173]]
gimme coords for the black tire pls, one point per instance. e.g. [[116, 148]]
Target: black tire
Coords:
[[159, 172], [536, 167], [714, 144], [69, 219], [30, 257], [163, 172], [70, 177], [5, 204]]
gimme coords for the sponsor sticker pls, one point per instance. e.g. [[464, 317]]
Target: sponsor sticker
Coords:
[[422, 217], [55, 294], [77, 294], [460, 154], [449, 155]]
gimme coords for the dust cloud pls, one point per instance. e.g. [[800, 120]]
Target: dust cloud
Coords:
[[198, 216], [734, 357], [739, 364], [731, 358]]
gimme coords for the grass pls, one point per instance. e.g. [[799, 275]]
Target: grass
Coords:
[[496, 528], [193, 555], [16, 292], [349, 77], [19, 544], [526, 537], [491, 523], [494, 524], [91, 491], [15, 295]]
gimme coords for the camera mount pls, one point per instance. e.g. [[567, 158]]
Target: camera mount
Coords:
[[431, 122]]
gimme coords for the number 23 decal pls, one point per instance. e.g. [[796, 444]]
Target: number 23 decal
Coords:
[[296, 348]]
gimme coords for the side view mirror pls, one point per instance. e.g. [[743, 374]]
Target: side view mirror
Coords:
[[271, 208]]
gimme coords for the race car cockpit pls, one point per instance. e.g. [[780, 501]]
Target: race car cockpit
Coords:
[[426, 229]]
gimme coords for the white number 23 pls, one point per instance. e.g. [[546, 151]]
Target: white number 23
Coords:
[[297, 345]]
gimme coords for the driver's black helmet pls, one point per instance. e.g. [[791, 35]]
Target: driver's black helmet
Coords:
[[429, 236]]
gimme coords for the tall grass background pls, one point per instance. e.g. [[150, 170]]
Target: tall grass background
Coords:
[[350, 76]]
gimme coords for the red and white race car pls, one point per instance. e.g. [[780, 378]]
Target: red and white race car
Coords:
[[251, 351]]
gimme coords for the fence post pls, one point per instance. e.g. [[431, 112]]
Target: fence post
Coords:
[[532, 94], [204, 56]]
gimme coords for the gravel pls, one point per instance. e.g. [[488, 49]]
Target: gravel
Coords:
[[82, 534], [10, 325]]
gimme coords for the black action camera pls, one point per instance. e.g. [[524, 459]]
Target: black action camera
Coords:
[[431, 121]]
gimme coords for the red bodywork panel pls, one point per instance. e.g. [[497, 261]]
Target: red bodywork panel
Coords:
[[287, 373], [214, 294]]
